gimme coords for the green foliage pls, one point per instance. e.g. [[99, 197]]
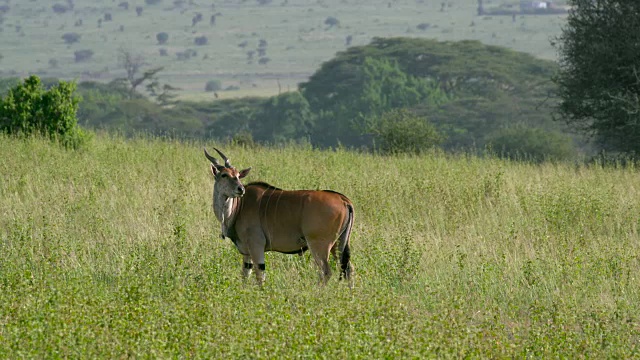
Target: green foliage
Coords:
[[469, 90], [350, 95], [213, 85], [284, 117], [598, 79], [30, 109], [400, 131], [162, 37], [532, 144]]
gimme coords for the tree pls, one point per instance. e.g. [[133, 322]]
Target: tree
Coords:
[[132, 64], [83, 55], [30, 109], [213, 85], [284, 117], [71, 37], [352, 95], [599, 77], [481, 88], [162, 38]]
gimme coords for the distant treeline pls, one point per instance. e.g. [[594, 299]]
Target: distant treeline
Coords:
[[456, 95]]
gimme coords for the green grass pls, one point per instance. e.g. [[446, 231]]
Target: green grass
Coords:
[[112, 252], [298, 40]]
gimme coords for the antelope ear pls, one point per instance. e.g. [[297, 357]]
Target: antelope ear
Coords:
[[214, 170], [244, 172]]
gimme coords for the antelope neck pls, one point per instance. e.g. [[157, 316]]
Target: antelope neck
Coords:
[[225, 208]]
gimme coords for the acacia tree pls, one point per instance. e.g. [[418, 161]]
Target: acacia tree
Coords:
[[133, 65], [599, 77]]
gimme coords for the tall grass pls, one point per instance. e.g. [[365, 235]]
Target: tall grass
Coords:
[[113, 252]]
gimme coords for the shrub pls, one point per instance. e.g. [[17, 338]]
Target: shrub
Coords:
[[201, 40], [71, 38], [532, 144], [152, 2], [162, 38], [264, 61], [332, 21], [60, 8], [139, 10], [124, 5], [400, 131], [213, 85], [83, 55], [30, 109]]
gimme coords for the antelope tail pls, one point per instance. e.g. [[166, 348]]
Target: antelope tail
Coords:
[[345, 252]]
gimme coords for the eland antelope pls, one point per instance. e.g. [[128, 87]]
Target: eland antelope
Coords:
[[259, 217]]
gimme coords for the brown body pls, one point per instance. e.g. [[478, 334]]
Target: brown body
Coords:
[[261, 217]]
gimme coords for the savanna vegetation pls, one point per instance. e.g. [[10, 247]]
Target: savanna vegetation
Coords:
[[469, 95], [112, 252]]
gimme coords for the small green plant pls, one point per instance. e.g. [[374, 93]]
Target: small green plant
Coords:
[[400, 131], [30, 109]]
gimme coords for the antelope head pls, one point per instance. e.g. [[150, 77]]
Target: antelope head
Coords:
[[227, 177]]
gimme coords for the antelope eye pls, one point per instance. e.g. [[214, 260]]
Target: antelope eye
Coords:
[[224, 175]]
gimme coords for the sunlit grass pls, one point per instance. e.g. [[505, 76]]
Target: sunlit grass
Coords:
[[112, 251]]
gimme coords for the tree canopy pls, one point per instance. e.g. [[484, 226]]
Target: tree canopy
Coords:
[[599, 81]]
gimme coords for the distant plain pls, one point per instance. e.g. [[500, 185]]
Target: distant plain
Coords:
[[298, 40]]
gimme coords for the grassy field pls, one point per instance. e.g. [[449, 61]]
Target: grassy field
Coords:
[[112, 252], [298, 40]]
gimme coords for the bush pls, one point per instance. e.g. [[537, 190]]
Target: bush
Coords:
[[30, 109], [213, 85], [400, 131], [71, 38], [332, 21], [162, 38], [83, 55], [60, 8], [532, 144], [201, 40], [152, 2]]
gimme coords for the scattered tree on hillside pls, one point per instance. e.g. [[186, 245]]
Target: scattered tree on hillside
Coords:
[[348, 40], [196, 19], [599, 77], [60, 8], [139, 10], [83, 55], [133, 64], [201, 40], [124, 5], [71, 37], [331, 22], [213, 85], [162, 38]]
